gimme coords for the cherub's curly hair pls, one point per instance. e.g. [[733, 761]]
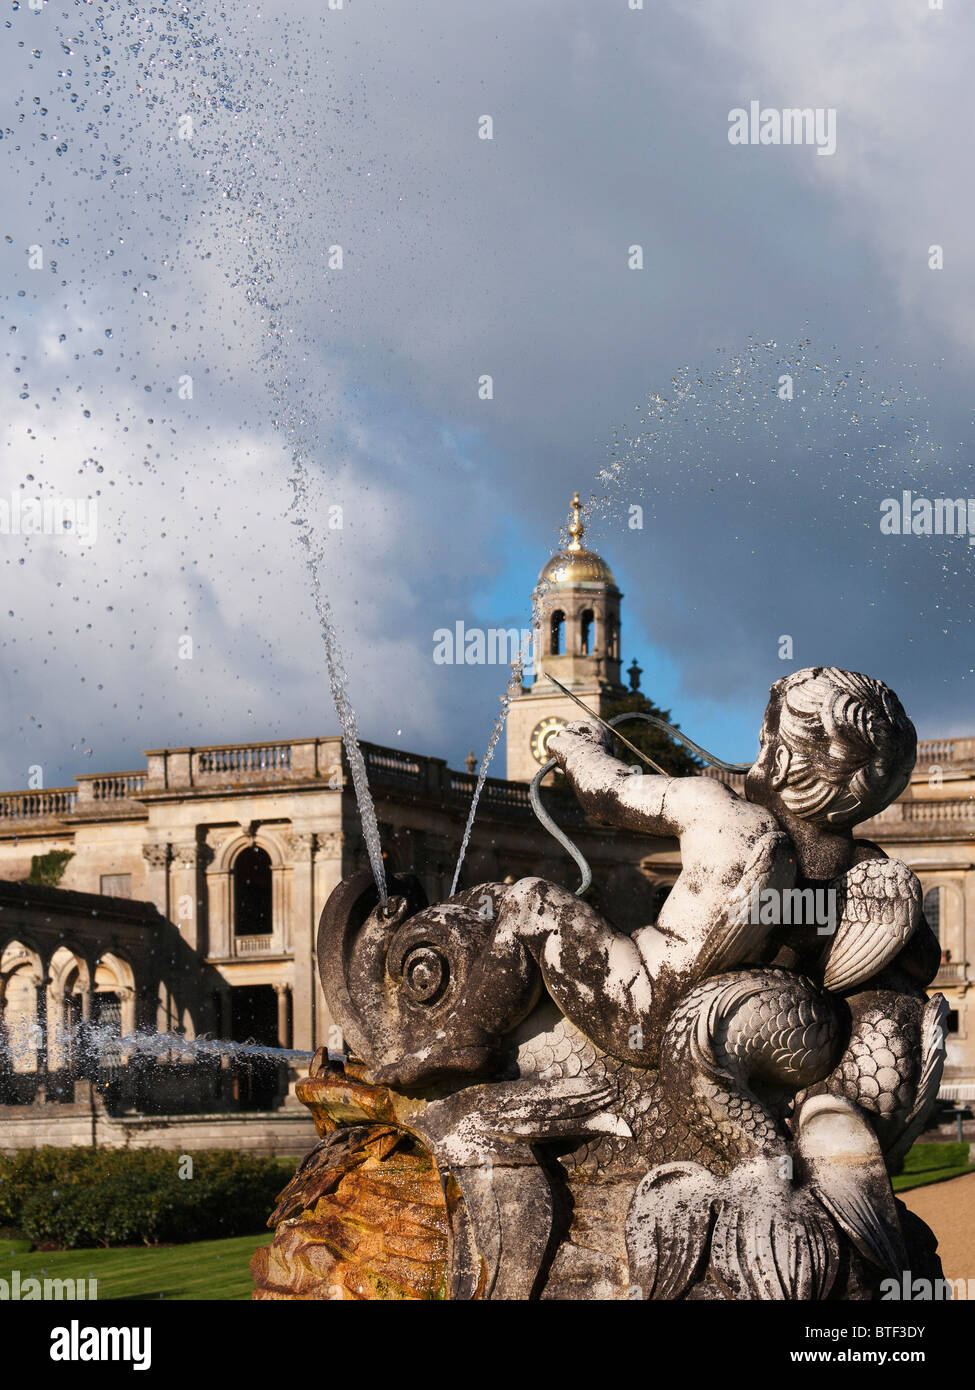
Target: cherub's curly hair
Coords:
[[852, 746]]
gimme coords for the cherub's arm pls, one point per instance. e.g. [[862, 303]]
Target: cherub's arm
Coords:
[[610, 791]]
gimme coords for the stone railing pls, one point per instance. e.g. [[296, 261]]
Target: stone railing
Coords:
[[926, 811], [111, 794], [510, 796], [236, 765], [958, 1091], [938, 751], [39, 805], [117, 786], [264, 945], [495, 791], [935, 750], [957, 810], [391, 763], [241, 761], [950, 972], [432, 775], [221, 765], [506, 794]]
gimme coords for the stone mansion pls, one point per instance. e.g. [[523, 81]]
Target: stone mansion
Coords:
[[192, 886]]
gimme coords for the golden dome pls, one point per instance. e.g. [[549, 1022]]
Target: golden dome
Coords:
[[577, 567], [574, 565]]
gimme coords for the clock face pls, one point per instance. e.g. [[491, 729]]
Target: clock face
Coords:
[[542, 735]]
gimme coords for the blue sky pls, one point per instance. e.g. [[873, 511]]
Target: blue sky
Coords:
[[208, 257]]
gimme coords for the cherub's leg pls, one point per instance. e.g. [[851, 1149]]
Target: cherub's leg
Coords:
[[595, 974]]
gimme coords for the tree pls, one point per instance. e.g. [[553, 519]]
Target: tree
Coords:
[[673, 757]]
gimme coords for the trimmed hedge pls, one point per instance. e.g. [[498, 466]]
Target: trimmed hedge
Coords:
[[72, 1198], [934, 1162]]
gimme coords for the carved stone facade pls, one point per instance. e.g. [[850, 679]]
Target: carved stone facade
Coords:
[[176, 839]]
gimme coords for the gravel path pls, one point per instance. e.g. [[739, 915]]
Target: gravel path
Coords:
[[949, 1209]]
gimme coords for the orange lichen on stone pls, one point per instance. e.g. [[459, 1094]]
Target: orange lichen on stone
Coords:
[[364, 1218]]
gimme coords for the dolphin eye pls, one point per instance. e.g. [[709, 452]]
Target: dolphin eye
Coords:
[[425, 974]]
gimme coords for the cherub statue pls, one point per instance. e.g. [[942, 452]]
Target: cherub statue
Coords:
[[836, 748], [742, 1083]]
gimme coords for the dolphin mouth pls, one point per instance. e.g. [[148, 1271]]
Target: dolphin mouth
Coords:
[[473, 1060], [338, 1096], [343, 1084]]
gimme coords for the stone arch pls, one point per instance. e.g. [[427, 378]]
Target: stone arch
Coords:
[[27, 944], [68, 1005], [23, 975], [113, 975], [556, 633], [113, 972], [220, 906], [229, 851], [70, 968], [19, 954]]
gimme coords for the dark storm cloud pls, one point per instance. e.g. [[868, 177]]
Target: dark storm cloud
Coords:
[[463, 257]]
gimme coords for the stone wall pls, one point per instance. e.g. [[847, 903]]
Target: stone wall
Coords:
[[287, 1132]]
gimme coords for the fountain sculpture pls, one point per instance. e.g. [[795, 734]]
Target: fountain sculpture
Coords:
[[535, 1105]]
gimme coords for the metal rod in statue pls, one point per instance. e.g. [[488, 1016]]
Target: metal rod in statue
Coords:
[[658, 724], [534, 790]]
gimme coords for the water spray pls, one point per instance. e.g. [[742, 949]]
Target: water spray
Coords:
[[91, 1041]]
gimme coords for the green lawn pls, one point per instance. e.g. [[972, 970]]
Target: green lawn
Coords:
[[218, 1269], [204, 1269], [927, 1163]]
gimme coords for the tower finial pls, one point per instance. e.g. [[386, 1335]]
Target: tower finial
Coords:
[[576, 528]]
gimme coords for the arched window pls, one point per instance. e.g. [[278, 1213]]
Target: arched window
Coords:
[[252, 892], [586, 632], [932, 911], [557, 643]]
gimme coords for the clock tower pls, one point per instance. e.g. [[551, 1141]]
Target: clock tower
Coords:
[[578, 643]]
